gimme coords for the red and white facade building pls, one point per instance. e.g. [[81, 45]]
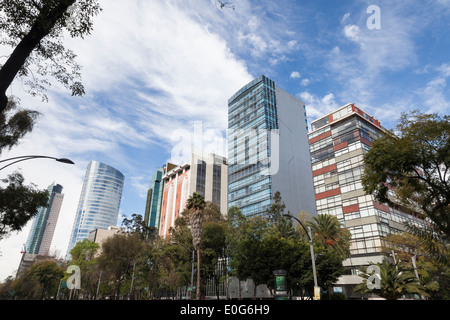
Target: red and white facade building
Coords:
[[338, 142], [206, 174]]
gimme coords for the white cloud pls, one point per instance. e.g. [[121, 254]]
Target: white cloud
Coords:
[[352, 32], [318, 106], [305, 82], [295, 75], [149, 68], [345, 17], [435, 95], [445, 69]]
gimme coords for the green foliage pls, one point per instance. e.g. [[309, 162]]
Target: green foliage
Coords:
[[434, 275], [195, 205], [18, 203], [395, 282], [414, 164], [35, 30], [48, 274], [276, 216], [258, 246], [15, 123], [332, 236], [121, 254], [137, 225]]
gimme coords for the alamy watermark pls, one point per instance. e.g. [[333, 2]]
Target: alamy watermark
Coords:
[[74, 281], [374, 281], [374, 21]]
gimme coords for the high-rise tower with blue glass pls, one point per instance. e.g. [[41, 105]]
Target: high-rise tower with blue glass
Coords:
[[44, 223], [99, 203], [268, 150], [154, 199]]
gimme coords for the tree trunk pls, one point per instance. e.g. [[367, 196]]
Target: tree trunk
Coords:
[[239, 289], [45, 22], [198, 273]]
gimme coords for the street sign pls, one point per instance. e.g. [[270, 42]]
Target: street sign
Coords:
[[337, 289]]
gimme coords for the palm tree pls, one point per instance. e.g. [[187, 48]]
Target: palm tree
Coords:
[[395, 282], [331, 234], [195, 205]]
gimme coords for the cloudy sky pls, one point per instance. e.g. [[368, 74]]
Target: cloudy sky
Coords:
[[154, 70]]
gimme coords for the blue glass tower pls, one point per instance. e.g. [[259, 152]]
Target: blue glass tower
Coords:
[[99, 203], [268, 150], [154, 199]]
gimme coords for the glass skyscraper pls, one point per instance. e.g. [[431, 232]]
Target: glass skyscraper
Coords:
[[44, 223], [268, 150], [99, 203], [154, 199]]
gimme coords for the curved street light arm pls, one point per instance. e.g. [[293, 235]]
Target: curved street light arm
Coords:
[[24, 158], [308, 231], [313, 258]]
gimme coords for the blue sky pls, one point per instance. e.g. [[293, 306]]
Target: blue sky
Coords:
[[152, 69]]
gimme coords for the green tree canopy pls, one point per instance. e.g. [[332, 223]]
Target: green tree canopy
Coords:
[[411, 168], [18, 203], [34, 28], [48, 274], [120, 255], [395, 282]]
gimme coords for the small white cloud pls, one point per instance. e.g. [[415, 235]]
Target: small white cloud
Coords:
[[291, 44], [305, 82], [345, 17], [352, 32], [444, 69], [318, 106], [295, 75]]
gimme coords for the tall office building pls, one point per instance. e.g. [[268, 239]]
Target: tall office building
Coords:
[[205, 174], [268, 150], [98, 207], [44, 223], [152, 213], [338, 143]]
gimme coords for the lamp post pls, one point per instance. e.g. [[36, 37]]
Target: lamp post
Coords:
[[23, 158], [313, 258]]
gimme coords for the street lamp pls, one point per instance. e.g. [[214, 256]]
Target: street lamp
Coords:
[[23, 158], [313, 258]]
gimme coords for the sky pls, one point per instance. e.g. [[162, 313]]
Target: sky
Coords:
[[156, 72]]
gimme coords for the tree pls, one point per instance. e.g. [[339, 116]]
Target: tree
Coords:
[[236, 225], [84, 256], [15, 123], [48, 274], [213, 243], [328, 231], [433, 275], [122, 255], [137, 225], [34, 28], [254, 253], [277, 218], [195, 205], [173, 266], [18, 203], [411, 169], [395, 282]]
